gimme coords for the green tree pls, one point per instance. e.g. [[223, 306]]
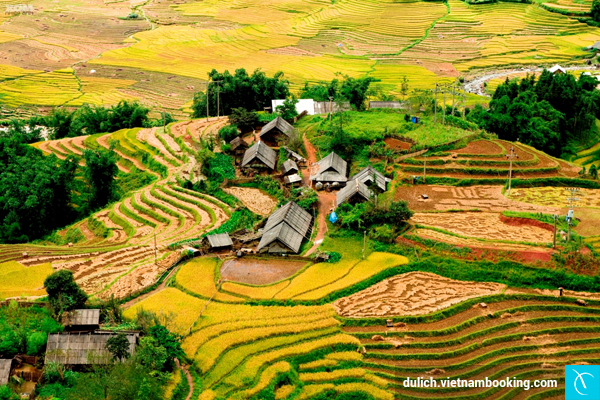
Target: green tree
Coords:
[[59, 121], [63, 292], [243, 119], [228, 133], [170, 342], [100, 171], [287, 110], [249, 91], [151, 355], [7, 394], [595, 10], [593, 171], [118, 346]]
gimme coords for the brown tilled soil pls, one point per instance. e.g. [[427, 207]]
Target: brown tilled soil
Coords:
[[412, 293], [259, 272], [483, 225], [255, 199], [480, 147], [396, 144], [483, 198]]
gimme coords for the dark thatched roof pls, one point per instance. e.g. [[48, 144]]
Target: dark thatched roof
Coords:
[[353, 188], [83, 349], [219, 240], [289, 166], [278, 123], [262, 152], [5, 371], [289, 224], [331, 169], [369, 175]]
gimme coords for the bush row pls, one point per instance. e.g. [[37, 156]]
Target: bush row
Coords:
[[98, 227], [127, 227]]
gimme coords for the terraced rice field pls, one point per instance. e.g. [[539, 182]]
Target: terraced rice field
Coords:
[[164, 61], [489, 161], [140, 227], [241, 351]]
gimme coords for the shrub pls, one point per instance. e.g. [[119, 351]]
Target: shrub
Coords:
[[228, 133]]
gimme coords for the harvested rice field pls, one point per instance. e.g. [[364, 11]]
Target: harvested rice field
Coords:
[[413, 293], [255, 199], [485, 198], [483, 225]]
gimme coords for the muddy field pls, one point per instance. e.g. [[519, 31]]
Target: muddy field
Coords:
[[484, 225], [483, 198], [396, 144], [412, 293], [259, 272], [256, 200], [480, 147]]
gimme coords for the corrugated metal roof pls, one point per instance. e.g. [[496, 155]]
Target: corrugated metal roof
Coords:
[[294, 215], [278, 123], [5, 371], [293, 154], [289, 166], [370, 174], [353, 188], [82, 349], [331, 169], [219, 240], [237, 142], [261, 152], [292, 178], [285, 234], [84, 317], [289, 224]]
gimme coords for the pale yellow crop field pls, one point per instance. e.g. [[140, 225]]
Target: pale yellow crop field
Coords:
[[19, 280]]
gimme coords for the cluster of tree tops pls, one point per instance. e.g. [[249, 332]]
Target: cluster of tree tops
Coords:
[[551, 113], [24, 330], [90, 119], [39, 194], [254, 92]]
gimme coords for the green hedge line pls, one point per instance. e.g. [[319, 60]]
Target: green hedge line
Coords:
[[134, 216], [127, 227], [499, 361], [562, 11], [474, 321], [566, 182], [209, 211], [164, 209], [481, 171], [148, 211], [224, 206], [488, 342], [98, 227], [177, 205]]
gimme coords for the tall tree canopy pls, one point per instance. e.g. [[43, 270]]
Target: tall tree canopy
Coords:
[[252, 92], [353, 90], [547, 113], [35, 191], [100, 172]]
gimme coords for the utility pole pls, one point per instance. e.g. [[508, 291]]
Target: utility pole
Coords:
[[330, 107], [554, 237], [207, 87], [155, 251], [435, 105], [510, 157], [364, 244], [453, 91], [464, 104], [572, 200], [444, 105]]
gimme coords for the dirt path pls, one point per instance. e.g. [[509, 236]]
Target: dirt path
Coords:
[[326, 199], [190, 382], [475, 85]]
